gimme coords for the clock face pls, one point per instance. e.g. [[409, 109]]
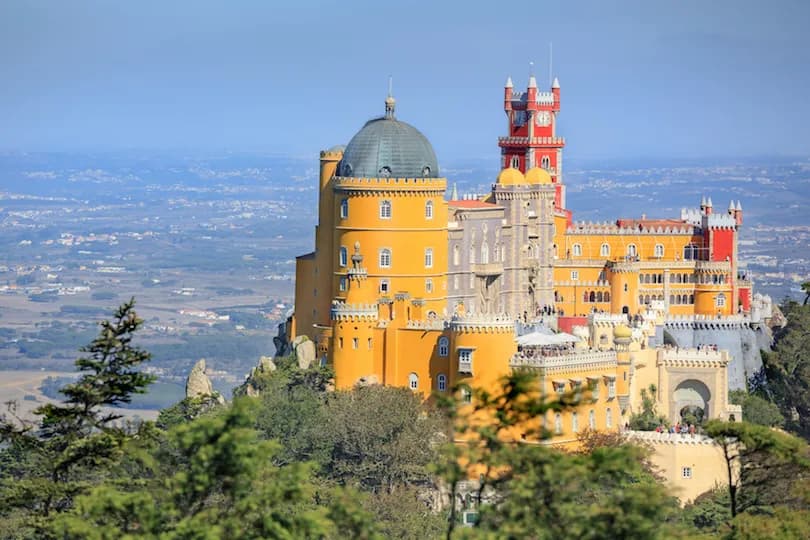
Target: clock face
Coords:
[[542, 118]]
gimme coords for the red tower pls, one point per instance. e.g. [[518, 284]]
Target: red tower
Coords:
[[532, 139]]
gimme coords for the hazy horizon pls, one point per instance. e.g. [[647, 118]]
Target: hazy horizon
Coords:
[[639, 80]]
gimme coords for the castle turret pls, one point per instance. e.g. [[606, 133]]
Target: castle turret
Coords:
[[483, 346]]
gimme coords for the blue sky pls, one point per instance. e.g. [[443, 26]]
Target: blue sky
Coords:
[[640, 79]]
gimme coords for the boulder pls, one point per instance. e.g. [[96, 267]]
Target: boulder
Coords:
[[305, 353], [198, 384], [266, 365]]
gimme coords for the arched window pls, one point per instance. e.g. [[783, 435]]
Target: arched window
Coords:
[[659, 250], [413, 381], [444, 346], [515, 163], [684, 299], [720, 300], [647, 299], [691, 298], [577, 250], [385, 209], [428, 257], [472, 254], [574, 422], [592, 419], [609, 417], [484, 253], [441, 382], [385, 258], [344, 256], [429, 210], [599, 296], [607, 296], [604, 251], [592, 297], [690, 252], [554, 250], [671, 299], [631, 250], [545, 162], [557, 423], [344, 208], [456, 255]]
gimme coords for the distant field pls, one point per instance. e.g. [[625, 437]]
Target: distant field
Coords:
[[23, 387]]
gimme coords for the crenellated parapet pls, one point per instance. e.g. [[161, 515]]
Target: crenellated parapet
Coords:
[[360, 186], [655, 438], [523, 141], [713, 266], [707, 322], [624, 267], [701, 357], [426, 324], [606, 228], [341, 311], [560, 363], [482, 323]]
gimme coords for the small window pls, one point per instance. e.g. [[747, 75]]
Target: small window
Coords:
[[484, 253], [612, 388], [631, 250], [344, 208], [355, 343], [344, 256], [545, 162], [604, 251], [515, 163], [659, 250], [441, 382], [592, 419], [456, 255], [609, 418], [342, 283], [574, 275], [429, 210], [384, 286], [385, 209], [340, 343], [385, 172], [428, 285], [428, 257], [558, 423], [370, 344], [413, 381], [577, 250], [686, 472], [574, 422], [720, 300], [444, 346], [385, 258], [456, 282], [559, 388]]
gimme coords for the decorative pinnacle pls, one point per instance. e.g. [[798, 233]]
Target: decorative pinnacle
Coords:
[[390, 102], [556, 83], [731, 206], [709, 202], [739, 206], [509, 82]]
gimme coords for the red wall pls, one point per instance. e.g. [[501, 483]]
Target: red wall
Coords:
[[723, 245]]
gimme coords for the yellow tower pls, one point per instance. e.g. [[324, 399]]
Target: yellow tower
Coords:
[[353, 322], [623, 278], [483, 346]]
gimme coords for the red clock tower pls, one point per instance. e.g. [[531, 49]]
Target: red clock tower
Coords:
[[532, 140]]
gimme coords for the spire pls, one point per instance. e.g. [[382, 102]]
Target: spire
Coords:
[[509, 82], [731, 206], [454, 194], [532, 80], [390, 102], [703, 201], [739, 206], [556, 83], [709, 202]]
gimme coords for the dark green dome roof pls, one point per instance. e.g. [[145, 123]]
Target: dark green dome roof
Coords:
[[387, 147]]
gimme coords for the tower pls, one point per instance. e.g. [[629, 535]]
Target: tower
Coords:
[[531, 139]]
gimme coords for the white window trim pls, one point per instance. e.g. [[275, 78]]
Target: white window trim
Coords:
[[429, 210], [444, 347], [343, 256], [428, 257], [380, 257], [441, 382], [386, 204]]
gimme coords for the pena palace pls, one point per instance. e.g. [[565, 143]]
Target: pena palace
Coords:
[[409, 287]]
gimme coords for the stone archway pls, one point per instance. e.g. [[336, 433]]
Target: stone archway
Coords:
[[669, 339], [691, 395]]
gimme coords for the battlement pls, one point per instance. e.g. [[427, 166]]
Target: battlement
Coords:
[[693, 357], [713, 266], [542, 98], [590, 228], [610, 319], [583, 360], [524, 141], [707, 321], [332, 155], [343, 183], [720, 221], [482, 323], [341, 311], [426, 324], [654, 437]]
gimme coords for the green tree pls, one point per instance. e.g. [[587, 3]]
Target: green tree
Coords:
[[648, 418], [762, 464], [757, 410], [787, 370], [48, 462], [229, 489], [806, 291]]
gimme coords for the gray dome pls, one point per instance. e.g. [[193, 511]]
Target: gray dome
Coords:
[[387, 147]]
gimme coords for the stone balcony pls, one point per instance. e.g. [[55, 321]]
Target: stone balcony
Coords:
[[584, 359], [487, 269]]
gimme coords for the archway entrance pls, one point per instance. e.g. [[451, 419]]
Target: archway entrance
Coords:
[[669, 340], [691, 401]]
